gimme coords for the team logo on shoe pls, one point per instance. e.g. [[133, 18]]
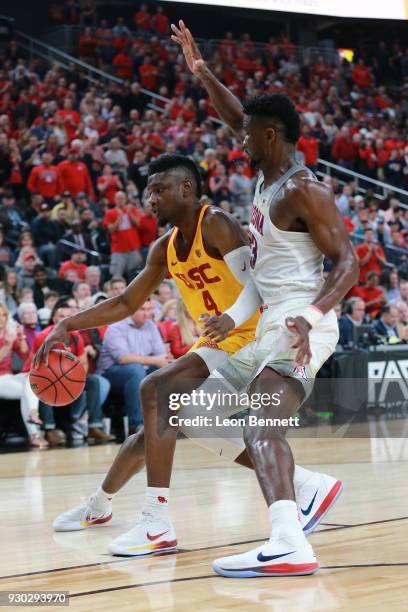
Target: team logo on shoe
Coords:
[[161, 499], [152, 538], [262, 558]]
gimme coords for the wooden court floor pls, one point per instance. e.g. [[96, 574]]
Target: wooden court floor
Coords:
[[217, 510]]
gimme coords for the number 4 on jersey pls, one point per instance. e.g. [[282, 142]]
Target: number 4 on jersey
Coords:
[[209, 303]]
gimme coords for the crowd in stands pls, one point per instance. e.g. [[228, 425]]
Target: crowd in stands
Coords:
[[75, 227]]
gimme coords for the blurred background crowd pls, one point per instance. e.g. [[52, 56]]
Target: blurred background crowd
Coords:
[[75, 227]]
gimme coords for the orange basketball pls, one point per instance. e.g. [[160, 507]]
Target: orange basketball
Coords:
[[61, 381]]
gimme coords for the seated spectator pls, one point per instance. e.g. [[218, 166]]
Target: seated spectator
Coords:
[[17, 386], [76, 263], [10, 290], [372, 294], [6, 255], [28, 318], [131, 349], [168, 316], [94, 395], [370, 256], [45, 233], [25, 239], [81, 290], [115, 286], [44, 314], [93, 278], [25, 264], [26, 296], [404, 291], [219, 185], [385, 326], [183, 333], [402, 322], [11, 217], [390, 284], [66, 204], [93, 338], [43, 284], [163, 294], [353, 317]]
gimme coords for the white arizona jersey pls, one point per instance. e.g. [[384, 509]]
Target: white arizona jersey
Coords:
[[281, 261]]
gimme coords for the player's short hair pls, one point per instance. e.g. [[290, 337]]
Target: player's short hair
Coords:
[[166, 162], [279, 109]]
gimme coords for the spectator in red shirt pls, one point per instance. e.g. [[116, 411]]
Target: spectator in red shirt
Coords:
[[108, 184], [361, 75], [373, 296], [309, 146], [183, 333], [76, 263], [74, 175], [148, 73], [123, 222], [123, 64], [343, 149], [370, 256], [142, 18], [160, 22], [44, 179], [70, 117], [147, 229]]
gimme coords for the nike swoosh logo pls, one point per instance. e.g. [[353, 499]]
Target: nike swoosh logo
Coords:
[[152, 538], [174, 263], [244, 268], [308, 509], [264, 558]]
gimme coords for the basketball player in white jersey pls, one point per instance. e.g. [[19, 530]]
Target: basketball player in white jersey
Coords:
[[294, 223]]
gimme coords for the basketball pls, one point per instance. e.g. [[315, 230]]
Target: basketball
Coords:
[[61, 381]]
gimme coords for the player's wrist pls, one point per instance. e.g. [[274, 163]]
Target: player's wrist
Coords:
[[312, 315]]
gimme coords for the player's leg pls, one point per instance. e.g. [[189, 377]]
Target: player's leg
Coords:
[[287, 552], [131, 457]]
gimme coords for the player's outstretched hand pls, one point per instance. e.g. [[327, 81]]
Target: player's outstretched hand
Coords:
[[300, 328], [58, 335], [217, 328], [192, 54]]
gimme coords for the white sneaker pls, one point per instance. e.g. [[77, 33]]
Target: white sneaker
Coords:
[[283, 556], [81, 517], [315, 498], [150, 536]]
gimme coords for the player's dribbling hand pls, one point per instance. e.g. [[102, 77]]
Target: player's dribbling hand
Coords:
[[217, 328], [300, 328], [58, 335], [192, 54]]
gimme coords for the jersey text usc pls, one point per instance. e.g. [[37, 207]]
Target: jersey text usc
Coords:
[[207, 285]]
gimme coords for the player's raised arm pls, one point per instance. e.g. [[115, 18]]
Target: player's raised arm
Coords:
[[226, 104], [114, 309]]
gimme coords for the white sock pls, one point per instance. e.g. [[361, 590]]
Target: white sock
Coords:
[[300, 476], [157, 502], [101, 500], [285, 520]]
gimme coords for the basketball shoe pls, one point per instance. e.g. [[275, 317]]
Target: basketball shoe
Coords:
[[280, 556], [150, 536], [315, 497], [81, 517]]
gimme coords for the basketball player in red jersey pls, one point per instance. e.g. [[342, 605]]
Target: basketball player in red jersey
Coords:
[[294, 224], [207, 255]]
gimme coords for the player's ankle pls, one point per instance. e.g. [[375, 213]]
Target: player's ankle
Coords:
[[101, 500], [157, 501]]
